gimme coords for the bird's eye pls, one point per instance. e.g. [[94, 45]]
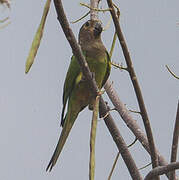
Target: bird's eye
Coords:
[[87, 24]]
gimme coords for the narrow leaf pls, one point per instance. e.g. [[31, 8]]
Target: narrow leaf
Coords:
[[38, 36], [93, 138]]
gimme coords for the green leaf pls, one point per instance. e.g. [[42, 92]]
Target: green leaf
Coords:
[[38, 36]]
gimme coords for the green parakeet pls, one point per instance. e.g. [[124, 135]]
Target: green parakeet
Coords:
[[76, 89]]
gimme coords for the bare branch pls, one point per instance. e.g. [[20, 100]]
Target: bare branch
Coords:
[[81, 18], [93, 12], [118, 139], [113, 166], [173, 74], [116, 159], [162, 170], [94, 9], [119, 66], [145, 166], [175, 142], [130, 122], [135, 84]]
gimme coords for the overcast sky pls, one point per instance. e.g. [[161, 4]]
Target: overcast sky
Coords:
[[30, 105]]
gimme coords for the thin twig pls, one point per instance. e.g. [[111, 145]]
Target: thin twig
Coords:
[[116, 159], [145, 166], [130, 122], [94, 9], [135, 84], [81, 18], [175, 143], [119, 66], [113, 166], [173, 74], [133, 111], [132, 143], [161, 170], [113, 44]]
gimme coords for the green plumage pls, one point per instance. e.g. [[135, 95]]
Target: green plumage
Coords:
[[76, 89]]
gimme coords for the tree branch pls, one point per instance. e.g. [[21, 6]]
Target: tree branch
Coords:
[[93, 12], [162, 170], [118, 139], [173, 74], [135, 84], [130, 122], [175, 143]]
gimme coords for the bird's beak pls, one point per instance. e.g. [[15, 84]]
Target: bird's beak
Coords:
[[98, 28]]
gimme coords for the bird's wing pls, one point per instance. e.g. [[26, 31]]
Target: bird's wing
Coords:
[[72, 73], [108, 70]]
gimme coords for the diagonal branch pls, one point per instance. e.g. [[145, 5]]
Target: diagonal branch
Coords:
[[130, 122], [135, 84], [162, 170], [175, 142], [118, 139]]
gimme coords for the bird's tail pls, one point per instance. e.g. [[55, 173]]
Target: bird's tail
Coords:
[[69, 121]]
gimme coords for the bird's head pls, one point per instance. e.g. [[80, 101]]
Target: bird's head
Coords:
[[90, 32]]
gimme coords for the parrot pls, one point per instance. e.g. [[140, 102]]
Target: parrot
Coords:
[[76, 90]]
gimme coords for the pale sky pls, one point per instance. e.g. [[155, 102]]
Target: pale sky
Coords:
[[30, 105]]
